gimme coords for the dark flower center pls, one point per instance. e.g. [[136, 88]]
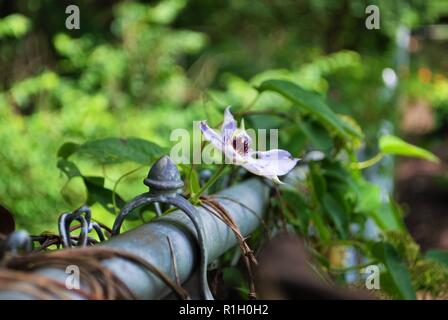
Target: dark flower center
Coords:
[[241, 144]]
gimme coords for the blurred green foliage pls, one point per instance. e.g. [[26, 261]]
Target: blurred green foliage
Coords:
[[94, 89]]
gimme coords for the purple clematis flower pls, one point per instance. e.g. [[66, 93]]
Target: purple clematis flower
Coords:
[[235, 144]]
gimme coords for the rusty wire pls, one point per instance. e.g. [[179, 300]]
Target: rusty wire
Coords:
[[213, 206], [98, 282], [46, 240], [35, 285]]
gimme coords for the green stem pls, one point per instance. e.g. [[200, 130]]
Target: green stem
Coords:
[[114, 191], [368, 163], [213, 179], [169, 211]]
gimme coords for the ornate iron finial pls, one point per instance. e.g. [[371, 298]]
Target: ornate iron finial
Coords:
[[164, 182], [164, 176]]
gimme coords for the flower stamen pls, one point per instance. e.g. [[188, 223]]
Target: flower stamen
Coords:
[[241, 143]]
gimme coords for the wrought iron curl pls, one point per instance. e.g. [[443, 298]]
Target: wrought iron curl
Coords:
[[84, 216]]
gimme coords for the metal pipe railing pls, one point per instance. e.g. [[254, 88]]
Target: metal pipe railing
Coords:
[[246, 203]]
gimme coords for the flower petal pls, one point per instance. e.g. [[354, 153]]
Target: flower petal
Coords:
[[228, 126], [233, 156], [215, 139], [274, 154], [271, 163], [211, 135]]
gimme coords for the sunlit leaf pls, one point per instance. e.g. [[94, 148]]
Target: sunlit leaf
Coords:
[[388, 216], [390, 144], [368, 197], [15, 25]]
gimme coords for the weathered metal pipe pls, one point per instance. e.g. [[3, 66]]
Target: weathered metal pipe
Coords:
[[150, 241]]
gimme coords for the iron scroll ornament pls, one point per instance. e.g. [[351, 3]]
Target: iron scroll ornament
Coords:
[[84, 217], [164, 182]]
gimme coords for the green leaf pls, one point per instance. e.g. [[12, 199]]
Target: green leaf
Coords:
[[232, 276], [97, 193], [300, 213], [15, 25], [337, 214], [368, 197], [317, 135], [390, 144], [333, 170], [193, 182], [438, 255], [69, 168], [115, 150], [388, 216], [263, 121], [317, 180], [396, 268], [321, 228], [67, 149], [369, 202], [310, 102]]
